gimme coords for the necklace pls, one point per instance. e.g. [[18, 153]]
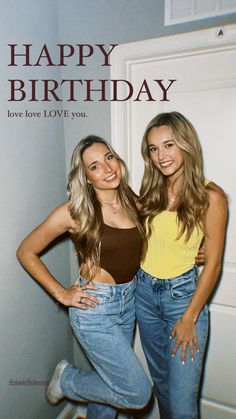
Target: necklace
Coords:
[[171, 201], [111, 204]]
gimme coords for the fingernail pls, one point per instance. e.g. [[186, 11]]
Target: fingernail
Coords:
[[170, 337], [172, 355], [192, 359], [183, 362], [198, 350]]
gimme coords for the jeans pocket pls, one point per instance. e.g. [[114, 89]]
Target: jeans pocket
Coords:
[[102, 295], [184, 289]]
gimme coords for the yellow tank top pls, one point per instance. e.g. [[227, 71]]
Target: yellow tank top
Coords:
[[166, 256]]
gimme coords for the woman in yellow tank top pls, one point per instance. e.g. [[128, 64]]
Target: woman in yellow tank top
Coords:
[[179, 209]]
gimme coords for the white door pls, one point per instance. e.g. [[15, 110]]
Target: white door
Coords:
[[204, 65]]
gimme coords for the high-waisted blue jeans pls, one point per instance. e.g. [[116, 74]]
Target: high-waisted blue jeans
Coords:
[[106, 332], [159, 304]]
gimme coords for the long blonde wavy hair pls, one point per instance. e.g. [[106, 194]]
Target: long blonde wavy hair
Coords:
[[85, 208], [193, 200]]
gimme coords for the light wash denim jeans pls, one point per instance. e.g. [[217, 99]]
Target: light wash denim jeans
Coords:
[[106, 332], [159, 304]]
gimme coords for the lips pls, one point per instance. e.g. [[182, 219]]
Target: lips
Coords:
[[110, 178], [166, 164]]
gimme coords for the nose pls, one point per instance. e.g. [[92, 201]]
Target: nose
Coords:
[[107, 167], [161, 154]]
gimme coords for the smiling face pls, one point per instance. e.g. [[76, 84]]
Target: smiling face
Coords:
[[102, 167], [166, 155]]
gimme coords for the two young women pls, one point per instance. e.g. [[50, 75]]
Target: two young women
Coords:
[[178, 208]]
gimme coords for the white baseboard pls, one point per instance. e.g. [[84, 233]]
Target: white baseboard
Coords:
[[73, 410]]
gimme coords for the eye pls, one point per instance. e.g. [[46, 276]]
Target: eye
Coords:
[[169, 145], [110, 157], [94, 167], [152, 149]]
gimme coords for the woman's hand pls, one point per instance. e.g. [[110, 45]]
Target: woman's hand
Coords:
[[185, 333], [200, 258], [76, 297]]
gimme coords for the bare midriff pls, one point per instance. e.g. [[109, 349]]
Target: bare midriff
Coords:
[[101, 276]]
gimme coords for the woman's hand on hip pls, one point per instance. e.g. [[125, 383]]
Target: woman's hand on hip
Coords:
[[184, 332], [75, 296]]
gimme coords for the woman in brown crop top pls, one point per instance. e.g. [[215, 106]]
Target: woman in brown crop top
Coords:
[[102, 219]]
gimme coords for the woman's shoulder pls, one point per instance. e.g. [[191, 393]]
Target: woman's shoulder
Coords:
[[62, 210], [216, 194], [63, 216], [212, 186]]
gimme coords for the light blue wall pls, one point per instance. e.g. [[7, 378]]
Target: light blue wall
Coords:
[[35, 332]]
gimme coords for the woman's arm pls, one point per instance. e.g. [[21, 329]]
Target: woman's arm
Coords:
[[215, 225], [56, 224]]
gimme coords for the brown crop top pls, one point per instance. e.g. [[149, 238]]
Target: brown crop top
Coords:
[[120, 252]]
